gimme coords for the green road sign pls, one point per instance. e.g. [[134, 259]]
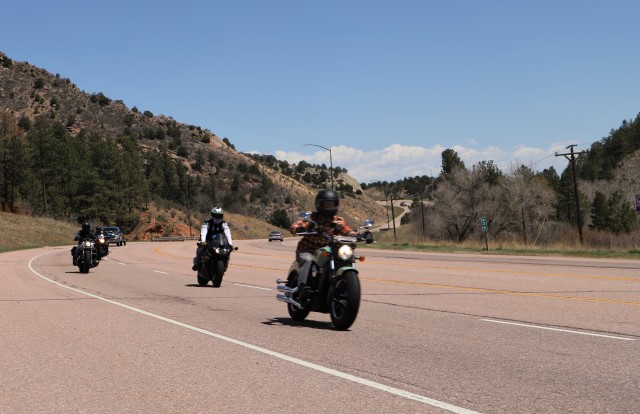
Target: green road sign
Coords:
[[483, 223]]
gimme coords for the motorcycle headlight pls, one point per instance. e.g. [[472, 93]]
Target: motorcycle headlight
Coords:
[[101, 240], [87, 243], [345, 252], [217, 250]]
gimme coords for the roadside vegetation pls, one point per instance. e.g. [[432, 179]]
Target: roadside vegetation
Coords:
[[405, 239], [23, 232]]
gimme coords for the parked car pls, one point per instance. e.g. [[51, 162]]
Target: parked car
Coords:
[[276, 235], [114, 235]]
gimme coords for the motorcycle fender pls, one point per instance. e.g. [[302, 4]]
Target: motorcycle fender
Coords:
[[343, 269]]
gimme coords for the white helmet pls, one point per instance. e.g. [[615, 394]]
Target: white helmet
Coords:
[[217, 212]]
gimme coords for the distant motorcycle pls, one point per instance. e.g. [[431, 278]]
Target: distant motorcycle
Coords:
[[87, 254], [333, 279], [366, 233], [215, 260], [102, 246]]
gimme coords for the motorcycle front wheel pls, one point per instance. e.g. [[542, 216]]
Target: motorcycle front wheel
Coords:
[[218, 272], [202, 281], [345, 301], [86, 259]]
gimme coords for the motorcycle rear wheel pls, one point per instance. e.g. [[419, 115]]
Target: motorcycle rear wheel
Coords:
[[345, 301]]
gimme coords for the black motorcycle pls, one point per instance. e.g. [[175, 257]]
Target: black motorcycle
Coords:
[[334, 282], [87, 254], [215, 260]]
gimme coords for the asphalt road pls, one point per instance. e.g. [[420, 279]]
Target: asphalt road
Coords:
[[436, 333]]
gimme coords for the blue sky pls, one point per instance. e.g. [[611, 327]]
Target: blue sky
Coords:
[[387, 85]]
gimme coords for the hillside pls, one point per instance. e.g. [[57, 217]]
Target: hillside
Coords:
[[156, 161]]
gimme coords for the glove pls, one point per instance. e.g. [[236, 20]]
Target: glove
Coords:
[[202, 243]]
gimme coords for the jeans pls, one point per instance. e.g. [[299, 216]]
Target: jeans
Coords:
[[305, 260]]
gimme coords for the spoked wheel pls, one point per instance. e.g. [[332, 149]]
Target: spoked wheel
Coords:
[[295, 312], [345, 301]]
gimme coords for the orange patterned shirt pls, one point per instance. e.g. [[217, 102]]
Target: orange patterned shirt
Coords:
[[312, 243]]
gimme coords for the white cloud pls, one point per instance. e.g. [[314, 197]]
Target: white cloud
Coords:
[[397, 161]]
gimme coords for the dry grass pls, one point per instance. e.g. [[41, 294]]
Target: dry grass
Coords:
[[24, 232], [406, 239]]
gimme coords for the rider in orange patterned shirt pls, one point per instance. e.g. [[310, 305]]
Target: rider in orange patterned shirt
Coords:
[[327, 202]]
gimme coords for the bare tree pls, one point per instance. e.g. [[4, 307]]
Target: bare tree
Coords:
[[459, 202], [531, 200]]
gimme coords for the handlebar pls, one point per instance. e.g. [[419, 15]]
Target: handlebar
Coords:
[[357, 236]]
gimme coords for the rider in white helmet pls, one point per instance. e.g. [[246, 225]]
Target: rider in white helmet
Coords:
[[210, 228]]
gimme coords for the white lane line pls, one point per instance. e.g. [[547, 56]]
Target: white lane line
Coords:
[[559, 330], [362, 381], [252, 287], [159, 271]]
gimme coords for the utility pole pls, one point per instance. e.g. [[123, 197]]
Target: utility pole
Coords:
[[188, 209], [571, 156]]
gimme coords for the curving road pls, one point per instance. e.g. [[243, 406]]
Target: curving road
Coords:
[[436, 333]]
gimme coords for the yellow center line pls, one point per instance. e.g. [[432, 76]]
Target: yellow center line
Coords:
[[158, 251], [506, 292], [511, 272], [467, 288]]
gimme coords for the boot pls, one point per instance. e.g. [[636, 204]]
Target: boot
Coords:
[[197, 264]]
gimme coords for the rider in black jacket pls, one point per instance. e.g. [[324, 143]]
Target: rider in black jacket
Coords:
[[82, 234]]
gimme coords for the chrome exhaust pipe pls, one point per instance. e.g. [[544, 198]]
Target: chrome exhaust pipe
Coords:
[[283, 298], [287, 289]]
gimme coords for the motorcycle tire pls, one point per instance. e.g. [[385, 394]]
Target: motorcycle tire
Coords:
[[296, 313], [218, 272], [85, 262], [345, 301], [202, 281]]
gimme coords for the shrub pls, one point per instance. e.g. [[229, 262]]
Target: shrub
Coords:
[[38, 83], [229, 144], [6, 62], [24, 122], [182, 152]]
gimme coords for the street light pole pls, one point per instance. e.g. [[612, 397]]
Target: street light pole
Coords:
[[330, 161]]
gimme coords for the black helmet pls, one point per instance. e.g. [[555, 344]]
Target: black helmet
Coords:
[[86, 226], [98, 229], [327, 202]]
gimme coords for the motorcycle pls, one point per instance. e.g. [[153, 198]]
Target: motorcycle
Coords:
[[334, 282], [215, 260], [88, 254], [368, 236], [102, 246]]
